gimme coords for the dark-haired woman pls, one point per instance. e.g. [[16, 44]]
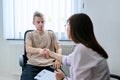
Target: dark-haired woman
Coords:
[[88, 61]]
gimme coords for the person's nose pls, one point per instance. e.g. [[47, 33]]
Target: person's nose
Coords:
[[40, 24]]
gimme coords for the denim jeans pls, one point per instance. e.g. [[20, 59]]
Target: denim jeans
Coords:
[[31, 71]]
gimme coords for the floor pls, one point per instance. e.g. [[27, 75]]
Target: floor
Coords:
[[9, 77]]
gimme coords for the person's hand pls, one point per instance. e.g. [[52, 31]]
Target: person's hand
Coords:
[[46, 53], [57, 64], [59, 75]]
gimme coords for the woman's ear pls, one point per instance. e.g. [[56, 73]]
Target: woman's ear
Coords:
[[68, 32]]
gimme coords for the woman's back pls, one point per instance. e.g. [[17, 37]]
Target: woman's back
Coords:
[[101, 71], [86, 64]]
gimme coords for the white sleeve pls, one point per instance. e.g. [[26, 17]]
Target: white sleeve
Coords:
[[66, 61]]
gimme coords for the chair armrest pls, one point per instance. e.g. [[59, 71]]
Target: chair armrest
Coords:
[[21, 60], [115, 76]]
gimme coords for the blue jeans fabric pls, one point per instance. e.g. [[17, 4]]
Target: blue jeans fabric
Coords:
[[31, 71]]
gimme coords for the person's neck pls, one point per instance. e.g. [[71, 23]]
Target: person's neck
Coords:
[[40, 32]]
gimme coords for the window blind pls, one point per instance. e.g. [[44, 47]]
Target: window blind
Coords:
[[18, 15]]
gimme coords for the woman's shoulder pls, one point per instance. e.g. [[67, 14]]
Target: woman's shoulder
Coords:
[[87, 51], [84, 49], [81, 47]]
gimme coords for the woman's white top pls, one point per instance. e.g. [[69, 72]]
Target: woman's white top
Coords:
[[86, 64]]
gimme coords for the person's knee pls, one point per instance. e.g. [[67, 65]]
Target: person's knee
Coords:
[[27, 76]]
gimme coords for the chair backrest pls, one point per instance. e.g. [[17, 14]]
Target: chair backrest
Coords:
[[25, 54]]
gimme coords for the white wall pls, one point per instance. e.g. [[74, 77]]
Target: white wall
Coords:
[[105, 16], [9, 54], [106, 19]]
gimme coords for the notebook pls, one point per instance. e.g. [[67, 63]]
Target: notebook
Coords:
[[45, 75]]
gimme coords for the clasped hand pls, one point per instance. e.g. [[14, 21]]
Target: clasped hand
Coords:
[[57, 65], [49, 54], [46, 53]]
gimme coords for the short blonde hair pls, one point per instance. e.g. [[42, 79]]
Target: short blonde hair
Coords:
[[38, 14]]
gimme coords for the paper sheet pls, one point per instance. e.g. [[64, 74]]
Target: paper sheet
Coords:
[[45, 75]]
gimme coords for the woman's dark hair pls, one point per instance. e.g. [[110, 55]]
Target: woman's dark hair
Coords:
[[81, 31]]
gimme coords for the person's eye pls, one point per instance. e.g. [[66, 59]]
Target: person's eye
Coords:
[[42, 21], [38, 22]]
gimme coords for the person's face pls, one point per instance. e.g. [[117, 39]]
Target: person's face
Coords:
[[39, 23], [68, 31]]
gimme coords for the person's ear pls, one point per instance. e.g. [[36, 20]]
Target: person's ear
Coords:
[[33, 22], [68, 33]]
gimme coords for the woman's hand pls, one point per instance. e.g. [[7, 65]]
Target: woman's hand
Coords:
[[49, 54], [59, 75]]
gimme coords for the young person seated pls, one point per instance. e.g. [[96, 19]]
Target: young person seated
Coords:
[[35, 42]]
